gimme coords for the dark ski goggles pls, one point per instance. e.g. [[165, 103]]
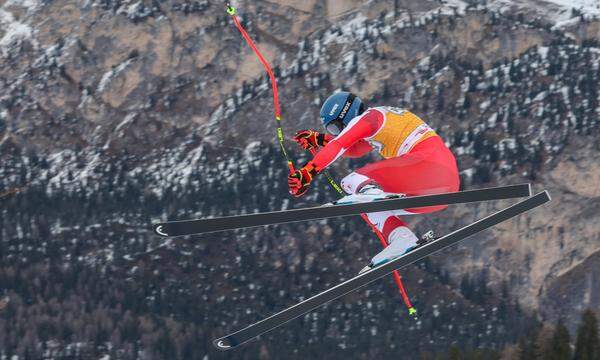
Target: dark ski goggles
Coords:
[[335, 127]]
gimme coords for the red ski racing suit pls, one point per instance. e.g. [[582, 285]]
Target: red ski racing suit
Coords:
[[417, 162]]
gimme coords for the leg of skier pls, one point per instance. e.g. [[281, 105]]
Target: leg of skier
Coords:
[[428, 168], [397, 234]]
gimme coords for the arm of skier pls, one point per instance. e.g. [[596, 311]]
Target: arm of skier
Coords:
[[311, 139], [358, 130], [353, 137], [359, 149]]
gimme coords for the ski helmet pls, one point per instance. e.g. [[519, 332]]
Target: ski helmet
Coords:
[[339, 109]]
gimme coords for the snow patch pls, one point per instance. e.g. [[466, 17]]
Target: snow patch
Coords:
[[15, 31], [485, 105], [128, 120], [559, 12], [344, 35], [133, 9], [30, 5], [587, 7], [509, 143], [111, 74], [492, 120]]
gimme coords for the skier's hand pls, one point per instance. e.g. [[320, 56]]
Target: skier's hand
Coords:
[[309, 139], [300, 179]]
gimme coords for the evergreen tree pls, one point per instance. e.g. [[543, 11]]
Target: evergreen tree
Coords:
[[528, 347], [560, 347], [544, 341], [524, 350], [466, 287], [466, 102], [587, 346]]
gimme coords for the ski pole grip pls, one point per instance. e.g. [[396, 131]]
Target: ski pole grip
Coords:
[[291, 167]]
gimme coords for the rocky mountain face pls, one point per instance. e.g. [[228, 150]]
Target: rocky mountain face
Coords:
[[115, 114]]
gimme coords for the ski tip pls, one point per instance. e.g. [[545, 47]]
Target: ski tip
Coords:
[[159, 229], [223, 344]]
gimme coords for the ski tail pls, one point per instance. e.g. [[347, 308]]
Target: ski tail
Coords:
[[353, 284]]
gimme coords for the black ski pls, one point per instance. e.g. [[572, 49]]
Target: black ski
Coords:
[[199, 226], [254, 330]]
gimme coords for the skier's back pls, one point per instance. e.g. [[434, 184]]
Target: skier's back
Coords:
[[416, 161]]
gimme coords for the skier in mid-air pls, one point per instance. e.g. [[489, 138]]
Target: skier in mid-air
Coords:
[[416, 162]]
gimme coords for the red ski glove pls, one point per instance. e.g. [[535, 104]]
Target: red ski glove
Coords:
[[309, 139], [300, 179]]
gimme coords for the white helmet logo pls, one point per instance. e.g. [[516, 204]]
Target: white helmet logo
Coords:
[[333, 109]]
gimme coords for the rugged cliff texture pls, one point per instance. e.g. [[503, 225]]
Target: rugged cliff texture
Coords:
[[117, 113]]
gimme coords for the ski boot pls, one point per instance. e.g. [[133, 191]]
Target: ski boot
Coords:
[[370, 192], [424, 239]]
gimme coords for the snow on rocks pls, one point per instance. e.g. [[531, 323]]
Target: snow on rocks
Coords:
[[561, 13], [111, 74], [15, 32]]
